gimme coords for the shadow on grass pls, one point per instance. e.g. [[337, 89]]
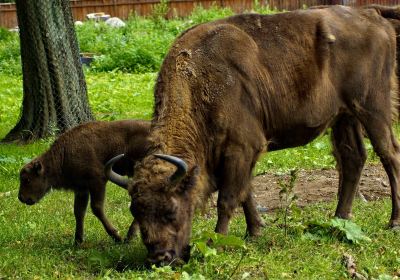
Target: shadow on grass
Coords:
[[94, 256], [98, 257]]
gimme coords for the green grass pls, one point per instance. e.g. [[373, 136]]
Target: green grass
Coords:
[[37, 241], [121, 95]]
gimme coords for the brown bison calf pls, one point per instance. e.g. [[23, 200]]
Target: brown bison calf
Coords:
[[76, 162]]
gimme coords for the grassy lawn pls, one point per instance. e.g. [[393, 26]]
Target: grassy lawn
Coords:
[[37, 242]]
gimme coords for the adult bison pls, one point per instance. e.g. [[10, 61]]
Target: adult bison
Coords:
[[76, 162], [231, 89]]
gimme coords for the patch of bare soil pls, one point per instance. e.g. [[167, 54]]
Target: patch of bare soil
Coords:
[[318, 185]]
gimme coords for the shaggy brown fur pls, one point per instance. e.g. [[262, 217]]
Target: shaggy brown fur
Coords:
[[231, 89], [76, 162]]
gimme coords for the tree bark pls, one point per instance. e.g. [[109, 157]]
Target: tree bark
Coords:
[[55, 95]]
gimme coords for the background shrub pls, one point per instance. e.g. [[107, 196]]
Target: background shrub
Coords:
[[139, 47], [10, 60]]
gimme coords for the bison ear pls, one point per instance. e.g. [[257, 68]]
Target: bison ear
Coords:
[[190, 179]]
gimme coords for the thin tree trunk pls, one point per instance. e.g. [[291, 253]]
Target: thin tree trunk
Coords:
[[55, 94]]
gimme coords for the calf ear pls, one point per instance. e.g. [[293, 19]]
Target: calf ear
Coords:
[[38, 167], [190, 179]]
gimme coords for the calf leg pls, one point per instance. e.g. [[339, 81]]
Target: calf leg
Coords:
[[97, 205], [350, 155], [80, 206], [387, 148], [133, 229]]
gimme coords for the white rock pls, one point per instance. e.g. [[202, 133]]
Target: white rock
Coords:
[[115, 22], [78, 22], [98, 16]]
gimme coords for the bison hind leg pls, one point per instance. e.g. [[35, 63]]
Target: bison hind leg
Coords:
[[350, 155], [253, 220], [379, 130]]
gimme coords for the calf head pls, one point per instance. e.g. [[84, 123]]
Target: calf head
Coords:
[[33, 182], [162, 204]]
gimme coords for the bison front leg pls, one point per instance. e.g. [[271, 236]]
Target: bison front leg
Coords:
[[234, 190], [350, 155], [80, 206], [97, 205]]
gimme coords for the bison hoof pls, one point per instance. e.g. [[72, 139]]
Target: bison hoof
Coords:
[[253, 233], [118, 239], [394, 225], [128, 239], [395, 228], [254, 230], [78, 242], [345, 216]]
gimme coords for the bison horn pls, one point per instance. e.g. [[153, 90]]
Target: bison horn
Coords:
[[113, 176], [179, 163]]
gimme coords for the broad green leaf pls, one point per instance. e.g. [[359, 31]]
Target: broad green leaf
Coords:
[[205, 250]]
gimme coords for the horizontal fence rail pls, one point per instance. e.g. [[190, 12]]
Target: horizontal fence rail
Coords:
[[180, 8]]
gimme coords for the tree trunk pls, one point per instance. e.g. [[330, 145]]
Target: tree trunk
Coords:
[[55, 95]]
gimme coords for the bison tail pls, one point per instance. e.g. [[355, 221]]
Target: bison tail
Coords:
[[395, 98]]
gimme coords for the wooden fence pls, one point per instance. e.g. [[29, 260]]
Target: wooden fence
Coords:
[[8, 15], [123, 8]]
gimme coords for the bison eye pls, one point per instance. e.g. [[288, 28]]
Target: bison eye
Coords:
[[25, 180]]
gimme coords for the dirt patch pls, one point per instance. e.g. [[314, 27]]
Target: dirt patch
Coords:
[[317, 186]]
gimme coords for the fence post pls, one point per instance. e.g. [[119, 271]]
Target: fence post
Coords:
[[114, 8]]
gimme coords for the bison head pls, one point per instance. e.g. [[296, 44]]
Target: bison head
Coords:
[[33, 183], [162, 204]]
